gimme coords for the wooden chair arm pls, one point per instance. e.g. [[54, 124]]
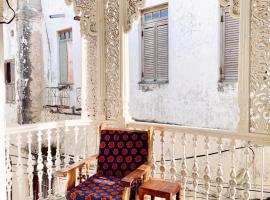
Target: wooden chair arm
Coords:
[[71, 168], [135, 175]]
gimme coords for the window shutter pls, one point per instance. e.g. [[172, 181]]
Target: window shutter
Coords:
[[63, 61], [149, 59], [162, 52], [231, 48]]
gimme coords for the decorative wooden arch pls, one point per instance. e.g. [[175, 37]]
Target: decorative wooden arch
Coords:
[[103, 24]]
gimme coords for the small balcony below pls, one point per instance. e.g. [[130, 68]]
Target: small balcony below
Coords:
[[63, 100]]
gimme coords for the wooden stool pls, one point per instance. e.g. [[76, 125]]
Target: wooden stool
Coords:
[[159, 188]]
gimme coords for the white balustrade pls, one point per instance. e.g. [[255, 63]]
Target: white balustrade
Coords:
[[154, 165], [184, 172], [213, 157], [162, 159], [208, 163], [8, 169], [173, 165], [207, 175], [30, 167], [40, 147]]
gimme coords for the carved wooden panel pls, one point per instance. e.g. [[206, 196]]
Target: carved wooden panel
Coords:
[[260, 67]]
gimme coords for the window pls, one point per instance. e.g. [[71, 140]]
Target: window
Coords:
[[230, 35], [155, 45], [65, 57], [10, 81]]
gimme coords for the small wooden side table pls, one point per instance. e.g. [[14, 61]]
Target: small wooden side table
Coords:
[[160, 188]]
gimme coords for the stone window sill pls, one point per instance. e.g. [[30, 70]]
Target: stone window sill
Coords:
[[150, 86], [227, 86]]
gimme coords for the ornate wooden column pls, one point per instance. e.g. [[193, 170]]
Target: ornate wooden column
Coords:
[[260, 67]]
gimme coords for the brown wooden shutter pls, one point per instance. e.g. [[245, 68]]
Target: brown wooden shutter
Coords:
[[149, 57], [231, 48], [162, 52]]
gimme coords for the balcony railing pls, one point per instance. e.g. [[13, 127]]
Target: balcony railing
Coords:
[[35, 152], [210, 164], [63, 97], [10, 93]]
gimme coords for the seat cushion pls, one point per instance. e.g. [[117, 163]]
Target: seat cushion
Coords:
[[97, 188]]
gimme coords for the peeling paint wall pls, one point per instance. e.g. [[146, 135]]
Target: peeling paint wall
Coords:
[[30, 63], [192, 96], [10, 53]]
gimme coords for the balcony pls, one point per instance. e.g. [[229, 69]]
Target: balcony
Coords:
[[210, 164], [63, 100]]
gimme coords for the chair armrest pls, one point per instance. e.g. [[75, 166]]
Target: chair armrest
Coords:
[[135, 175], [80, 164]]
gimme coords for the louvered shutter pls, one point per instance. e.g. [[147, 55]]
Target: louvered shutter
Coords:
[[231, 48], [63, 61], [162, 52], [149, 58]]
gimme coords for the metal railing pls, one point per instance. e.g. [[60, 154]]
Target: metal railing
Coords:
[[63, 97]]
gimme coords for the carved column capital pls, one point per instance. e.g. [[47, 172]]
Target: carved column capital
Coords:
[[132, 8], [87, 9]]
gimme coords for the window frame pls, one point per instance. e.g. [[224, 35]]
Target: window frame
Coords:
[[153, 23]]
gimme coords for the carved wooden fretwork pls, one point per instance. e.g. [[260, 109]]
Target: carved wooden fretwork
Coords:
[[259, 67], [87, 10], [132, 12], [112, 62], [234, 6]]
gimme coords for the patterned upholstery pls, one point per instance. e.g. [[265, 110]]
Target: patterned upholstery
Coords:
[[97, 188], [120, 153]]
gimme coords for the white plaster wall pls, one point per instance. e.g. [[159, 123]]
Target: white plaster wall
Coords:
[[191, 97], [10, 52], [50, 40]]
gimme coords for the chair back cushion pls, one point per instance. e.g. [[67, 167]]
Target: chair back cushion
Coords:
[[122, 151]]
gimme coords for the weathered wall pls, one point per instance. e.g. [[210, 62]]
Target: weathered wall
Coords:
[[51, 27], [10, 53], [30, 62], [191, 97]]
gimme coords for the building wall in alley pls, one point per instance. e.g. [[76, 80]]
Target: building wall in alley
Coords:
[[32, 42], [23, 48], [60, 17], [192, 97]]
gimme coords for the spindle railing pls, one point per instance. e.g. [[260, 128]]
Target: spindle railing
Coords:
[[34, 152], [209, 164]]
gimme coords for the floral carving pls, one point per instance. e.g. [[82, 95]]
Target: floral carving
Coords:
[[235, 8], [132, 10], [259, 67], [112, 63], [87, 9]]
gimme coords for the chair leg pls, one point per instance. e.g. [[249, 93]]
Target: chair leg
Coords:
[[141, 196], [178, 196]]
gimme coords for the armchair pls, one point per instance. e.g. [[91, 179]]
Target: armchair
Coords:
[[122, 163]]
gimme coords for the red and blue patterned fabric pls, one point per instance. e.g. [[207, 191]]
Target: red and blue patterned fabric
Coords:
[[120, 153]]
